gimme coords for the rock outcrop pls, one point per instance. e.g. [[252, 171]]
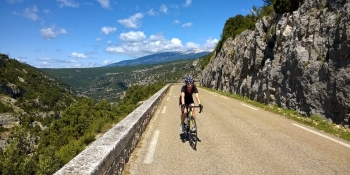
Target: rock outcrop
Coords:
[[299, 61]]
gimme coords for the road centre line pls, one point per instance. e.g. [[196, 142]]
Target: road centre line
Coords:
[[249, 106], [152, 148], [164, 109], [329, 138]]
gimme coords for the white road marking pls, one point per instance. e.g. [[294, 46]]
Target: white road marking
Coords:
[[164, 109], [249, 106], [152, 148], [334, 140]]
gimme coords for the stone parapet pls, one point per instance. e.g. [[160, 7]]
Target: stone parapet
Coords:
[[110, 153]]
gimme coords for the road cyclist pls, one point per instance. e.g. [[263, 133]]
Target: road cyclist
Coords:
[[186, 98]]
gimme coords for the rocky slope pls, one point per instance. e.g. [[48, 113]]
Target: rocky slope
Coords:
[[299, 61]]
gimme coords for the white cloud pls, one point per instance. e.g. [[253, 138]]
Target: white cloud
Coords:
[[105, 62], [189, 24], [47, 33], [188, 3], [192, 45], [72, 61], [30, 13], [109, 42], [136, 45], [98, 39], [132, 36], [108, 30], [104, 4], [176, 22], [68, 3], [132, 21], [115, 49], [176, 42], [62, 31], [50, 32], [151, 12], [163, 8], [78, 55], [210, 44]]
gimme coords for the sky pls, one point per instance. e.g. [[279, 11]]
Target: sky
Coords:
[[94, 33]]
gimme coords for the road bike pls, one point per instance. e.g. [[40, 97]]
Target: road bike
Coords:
[[190, 126]]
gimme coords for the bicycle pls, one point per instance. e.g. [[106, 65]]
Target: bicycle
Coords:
[[190, 126]]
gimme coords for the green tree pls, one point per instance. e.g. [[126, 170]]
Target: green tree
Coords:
[[19, 157]]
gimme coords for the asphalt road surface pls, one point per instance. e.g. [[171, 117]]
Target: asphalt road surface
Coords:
[[235, 138]]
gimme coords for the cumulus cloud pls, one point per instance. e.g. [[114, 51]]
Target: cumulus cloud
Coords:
[[50, 32], [132, 21], [104, 3], [189, 24], [68, 3], [108, 30], [136, 44], [210, 44], [78, 55], [188, 3], [176, 22], [163, 8], [132, 36], [192, 45], [30, 13]]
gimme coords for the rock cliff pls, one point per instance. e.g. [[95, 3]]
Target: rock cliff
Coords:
[[298, 60]]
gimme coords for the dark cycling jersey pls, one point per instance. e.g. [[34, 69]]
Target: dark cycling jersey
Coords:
[[188, 95]]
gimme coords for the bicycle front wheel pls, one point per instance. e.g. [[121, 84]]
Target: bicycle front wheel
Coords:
[[193, 132]]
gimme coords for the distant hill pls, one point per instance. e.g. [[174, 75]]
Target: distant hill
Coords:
[[160, 58], [109, 83], [28, 94]]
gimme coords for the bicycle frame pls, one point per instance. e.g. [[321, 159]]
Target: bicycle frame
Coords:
[[190, 121]]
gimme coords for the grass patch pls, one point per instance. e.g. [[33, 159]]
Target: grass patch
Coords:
[[314, 121]]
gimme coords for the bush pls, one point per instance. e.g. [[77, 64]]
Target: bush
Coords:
[[285, 6]]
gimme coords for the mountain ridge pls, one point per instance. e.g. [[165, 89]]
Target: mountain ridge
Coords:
[[160, 58]]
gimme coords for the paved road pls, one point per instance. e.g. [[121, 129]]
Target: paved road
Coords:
[[235, 139]]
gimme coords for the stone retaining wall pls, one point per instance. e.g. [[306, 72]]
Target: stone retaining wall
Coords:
[[110, 153]]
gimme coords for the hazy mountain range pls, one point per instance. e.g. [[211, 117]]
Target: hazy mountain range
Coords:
[[160, 58]]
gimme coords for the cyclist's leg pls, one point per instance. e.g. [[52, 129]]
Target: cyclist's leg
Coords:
[[183, 115], [193, 112]]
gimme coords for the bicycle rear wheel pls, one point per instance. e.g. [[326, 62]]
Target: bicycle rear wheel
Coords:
[[193, 132]]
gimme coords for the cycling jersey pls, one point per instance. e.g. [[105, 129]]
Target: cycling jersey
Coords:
[[188, 95]]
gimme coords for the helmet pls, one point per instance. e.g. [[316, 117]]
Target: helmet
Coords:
[[189, 80]]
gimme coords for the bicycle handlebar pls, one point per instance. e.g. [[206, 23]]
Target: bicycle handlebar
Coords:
[[200, 108]]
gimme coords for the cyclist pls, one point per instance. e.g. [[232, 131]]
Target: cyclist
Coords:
[[186, 99]]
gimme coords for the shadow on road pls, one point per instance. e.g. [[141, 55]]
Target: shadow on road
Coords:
[[184, 138]]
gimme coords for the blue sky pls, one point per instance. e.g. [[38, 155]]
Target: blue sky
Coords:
[[94, 33]]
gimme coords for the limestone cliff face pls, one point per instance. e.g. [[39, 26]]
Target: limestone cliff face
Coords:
[[299, 61]]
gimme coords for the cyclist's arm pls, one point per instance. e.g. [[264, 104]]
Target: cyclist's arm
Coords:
[[182, 98], [197, 97]]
